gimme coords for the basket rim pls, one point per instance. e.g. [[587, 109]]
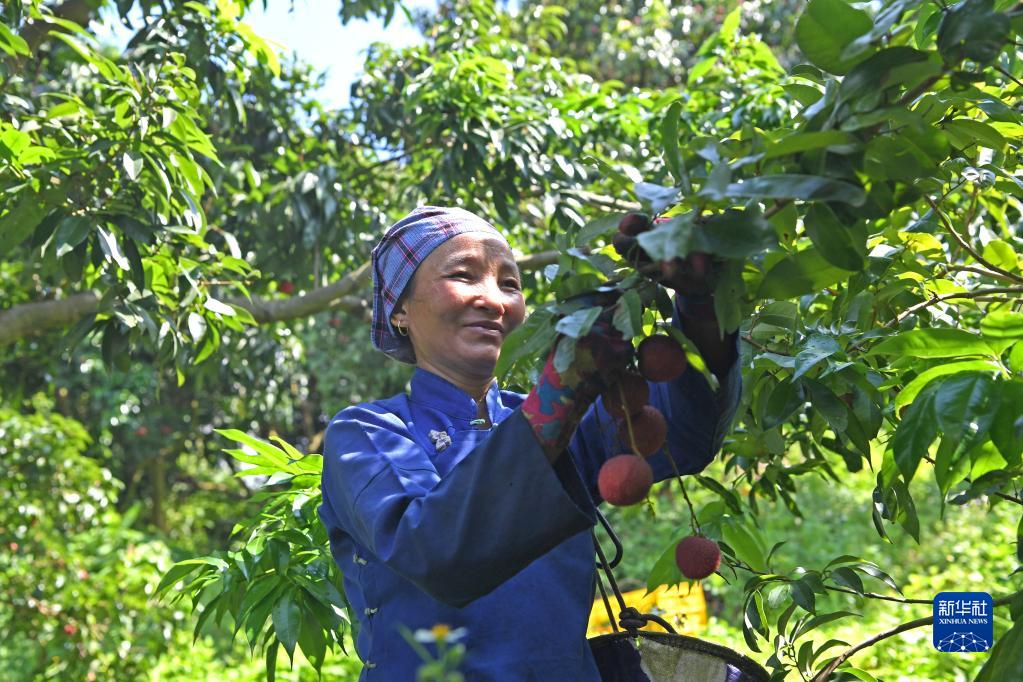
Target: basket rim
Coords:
[[744, 663]]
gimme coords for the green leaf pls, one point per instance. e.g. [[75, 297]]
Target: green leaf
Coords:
[[910, 390], [594, 229], [915, 433], [733, 234], [578, 324], [841, 245], [801, 273], [218, 307], [803, 596], [972, 30], [801, 142], [746, 545], [196, 326], [817, 348], [825, 28], [968, 131], [669, 239], [184, 568], [665, 570], [729, 292], [786, 398], [19, 222], [828, 404], [112, 250], [1002, 328], [656, 197], [531, 338], [1005, 661], [12, 43], [669, 137], [628, 315], [963, 401], [287, 620], [932, 343], [845, 576], [1007, 426], [791, 186], [132, 162]]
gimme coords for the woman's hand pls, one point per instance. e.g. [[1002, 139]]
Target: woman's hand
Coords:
[[559, 400], [692, 279]]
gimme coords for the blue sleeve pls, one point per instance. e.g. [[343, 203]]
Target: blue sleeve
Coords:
[[460, 536], [698, 419]]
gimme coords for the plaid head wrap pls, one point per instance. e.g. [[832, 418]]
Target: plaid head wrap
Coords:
[[405, 245]]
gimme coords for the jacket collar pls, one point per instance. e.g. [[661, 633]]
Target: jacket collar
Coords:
[[433, 391]]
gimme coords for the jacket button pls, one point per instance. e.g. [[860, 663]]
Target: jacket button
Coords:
[[359, 560], [369, 612]]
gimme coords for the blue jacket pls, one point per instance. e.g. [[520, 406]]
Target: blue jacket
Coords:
[[484, 533]]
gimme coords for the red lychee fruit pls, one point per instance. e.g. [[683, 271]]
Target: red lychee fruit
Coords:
[[70, 629], [625, 480], [649, 430], [142, 431], [661, 358], [632, 224], [697, 557], [286, 287], [637, 394], [166, 430], [627, 247]]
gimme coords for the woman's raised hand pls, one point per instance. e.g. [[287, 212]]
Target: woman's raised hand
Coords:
[[559, 400]]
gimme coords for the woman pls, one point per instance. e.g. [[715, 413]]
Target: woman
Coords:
[[464, 504]]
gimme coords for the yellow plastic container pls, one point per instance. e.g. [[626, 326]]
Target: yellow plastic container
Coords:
[[684, 607]]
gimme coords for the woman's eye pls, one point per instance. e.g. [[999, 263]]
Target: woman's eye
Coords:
[[512, 284]]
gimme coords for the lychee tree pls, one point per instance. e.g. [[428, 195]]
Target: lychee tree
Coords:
[[866, 247], [860, 212]]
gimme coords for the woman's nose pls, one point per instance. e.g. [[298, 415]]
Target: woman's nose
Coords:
[[491, 296]]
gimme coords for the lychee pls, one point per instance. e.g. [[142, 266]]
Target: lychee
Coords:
[[624, 480], [636, 391], [697, 557], [649, 430], [634, 223], [661, 358], [627, 247]]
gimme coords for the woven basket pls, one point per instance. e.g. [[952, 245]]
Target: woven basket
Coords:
[[667, 657]]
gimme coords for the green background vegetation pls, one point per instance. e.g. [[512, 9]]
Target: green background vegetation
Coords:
[[182, 306]]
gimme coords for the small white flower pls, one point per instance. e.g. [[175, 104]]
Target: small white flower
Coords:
[[439, 633]]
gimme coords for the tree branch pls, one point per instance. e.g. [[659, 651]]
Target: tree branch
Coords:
[[963, 243], [976, 293], [41, 316], [824, 674]]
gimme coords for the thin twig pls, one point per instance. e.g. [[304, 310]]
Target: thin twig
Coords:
[[977, 293], [874, 595], [963, 243], [919, 622], [1008, 75], [978, 271]]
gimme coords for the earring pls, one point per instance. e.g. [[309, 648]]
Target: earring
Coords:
[[402, 331]]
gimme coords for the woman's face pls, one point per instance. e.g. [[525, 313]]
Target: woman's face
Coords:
[[466, 297]]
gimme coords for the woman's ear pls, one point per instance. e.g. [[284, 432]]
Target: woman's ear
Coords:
[[399, 317]]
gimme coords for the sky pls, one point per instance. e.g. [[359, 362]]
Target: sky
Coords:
[[313, 30]]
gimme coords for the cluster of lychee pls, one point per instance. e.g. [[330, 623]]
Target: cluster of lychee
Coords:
[[625, 479]]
